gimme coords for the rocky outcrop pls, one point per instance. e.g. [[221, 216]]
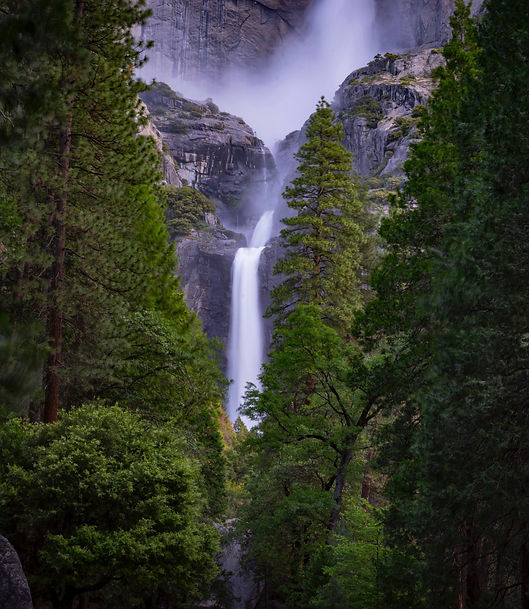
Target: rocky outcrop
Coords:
[[200, 39], [204, 266], [379, 106], [14, 589], [218, 154], [167, 162], [215, 152], [407, 24]]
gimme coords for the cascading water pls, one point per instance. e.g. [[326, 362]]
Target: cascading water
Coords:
[[338, 37], [246, 351]]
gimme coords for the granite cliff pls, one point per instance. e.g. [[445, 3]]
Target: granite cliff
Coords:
[[201, 39], [219, 155], [379, 106], [407, 24], [214, 151]]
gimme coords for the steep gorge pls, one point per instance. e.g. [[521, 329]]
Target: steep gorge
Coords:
[[218, 154], [200, 40]]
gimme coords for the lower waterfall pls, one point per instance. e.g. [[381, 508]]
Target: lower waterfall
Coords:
[[246, 349]]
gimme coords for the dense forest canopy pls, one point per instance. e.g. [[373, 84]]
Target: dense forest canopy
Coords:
[[388, 465]]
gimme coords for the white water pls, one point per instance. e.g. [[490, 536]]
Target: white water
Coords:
[[246, 349], [339, 38]]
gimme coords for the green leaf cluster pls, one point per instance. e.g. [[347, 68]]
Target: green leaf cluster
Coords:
[[316, 400], [186, 209], [449, 306], [110, 507]]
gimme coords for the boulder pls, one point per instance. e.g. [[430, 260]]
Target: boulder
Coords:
[[14, 589]]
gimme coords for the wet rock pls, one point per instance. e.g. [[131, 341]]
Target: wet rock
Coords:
[[214, 152], [204, 265], [201, 39]]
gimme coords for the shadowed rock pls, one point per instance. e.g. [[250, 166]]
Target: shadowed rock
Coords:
[[14, 589]]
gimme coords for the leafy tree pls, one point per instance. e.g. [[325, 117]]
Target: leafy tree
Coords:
[[103, 499]]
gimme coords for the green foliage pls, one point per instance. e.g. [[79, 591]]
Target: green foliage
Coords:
[[408, 80], [325, 260], [316, 398], [369, 108], [450, 294], [193, 108], [213, 108], [21, 360], [403, 124], [349, 564], [86, 263], [102, 498], [186, 208]]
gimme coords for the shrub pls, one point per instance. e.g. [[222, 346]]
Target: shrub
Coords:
[[369, 108], [102, 497], [186, 208]]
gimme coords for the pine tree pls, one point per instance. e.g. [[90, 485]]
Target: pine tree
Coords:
[[316, 400], [85, 249], [324, 240], [450, 298]]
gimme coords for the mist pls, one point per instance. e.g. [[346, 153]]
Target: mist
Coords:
[[277, 100]]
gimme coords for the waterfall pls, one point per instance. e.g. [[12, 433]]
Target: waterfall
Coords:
[[246, 351]]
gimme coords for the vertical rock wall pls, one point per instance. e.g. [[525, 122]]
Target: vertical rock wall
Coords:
[[406, 24], [199, 39]]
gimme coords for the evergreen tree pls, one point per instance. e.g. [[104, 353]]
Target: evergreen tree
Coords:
[[326, 238], [450, 295], [85, 252], [316, 398]]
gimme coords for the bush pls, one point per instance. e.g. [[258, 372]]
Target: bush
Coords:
[[369, 108], [99, 498], [403, 124], [186, 208]]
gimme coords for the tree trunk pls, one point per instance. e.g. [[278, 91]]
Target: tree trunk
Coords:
[[347, 455], [366, 480], [524, 568], [474, 578], [55, 313]]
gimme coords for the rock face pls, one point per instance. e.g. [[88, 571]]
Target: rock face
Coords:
[[14, 589], [379, 107], [215, 152], [199, 39], [218, 154], [204, 265], [407, 24]]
